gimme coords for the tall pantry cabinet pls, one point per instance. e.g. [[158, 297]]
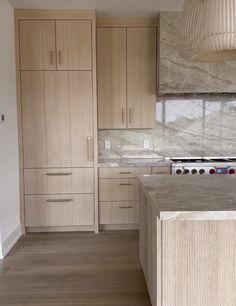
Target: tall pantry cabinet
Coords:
[[57, 106]]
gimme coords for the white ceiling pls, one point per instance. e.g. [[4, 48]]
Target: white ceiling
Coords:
[[114, 8]]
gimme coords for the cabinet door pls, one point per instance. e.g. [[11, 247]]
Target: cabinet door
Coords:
[[111, 69], [141, 74], [74, 44], [57, 119], [37, 45]]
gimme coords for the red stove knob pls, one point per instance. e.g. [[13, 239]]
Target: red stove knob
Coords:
[[231, 171], [212, 171]]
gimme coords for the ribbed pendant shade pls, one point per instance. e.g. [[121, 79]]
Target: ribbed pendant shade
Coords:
[[208, 30]]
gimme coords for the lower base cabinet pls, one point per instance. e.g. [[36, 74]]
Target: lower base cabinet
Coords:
[[59, 210], [119, 213]]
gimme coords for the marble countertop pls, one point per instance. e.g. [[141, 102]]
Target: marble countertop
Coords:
[[191, 197], [133, 162]]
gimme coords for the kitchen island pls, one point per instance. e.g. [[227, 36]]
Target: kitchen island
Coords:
[[188, 239]]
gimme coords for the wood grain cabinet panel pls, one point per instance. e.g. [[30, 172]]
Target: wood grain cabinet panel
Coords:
[[59, 210], [127, 77], [118, 190], [120, 173], [57, 119], [141, 77], [111, 67], [74, 44], [37, 45], [161, 170], [59, 180], [119, 213]]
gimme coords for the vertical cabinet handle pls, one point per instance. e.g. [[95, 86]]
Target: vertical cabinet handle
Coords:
[[130, 115], [52, 58], [60, 58], [123, 116], [89, 148]]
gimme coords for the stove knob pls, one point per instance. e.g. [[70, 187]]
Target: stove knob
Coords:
[[212, 171], [186, 171], [194, 171], [231, 171], [202, 171], [178, 171]]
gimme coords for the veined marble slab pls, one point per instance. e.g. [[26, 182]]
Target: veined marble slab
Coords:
[[132, 162], [178, 75], [191, 197]]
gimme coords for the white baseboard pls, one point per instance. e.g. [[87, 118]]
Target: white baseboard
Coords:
[[11, 240]]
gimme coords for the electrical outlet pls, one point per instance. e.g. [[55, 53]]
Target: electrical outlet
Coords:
[[146, 144], [107, 144]]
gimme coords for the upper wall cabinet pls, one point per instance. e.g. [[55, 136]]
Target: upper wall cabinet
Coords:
[[178, 75], [37, 45], [56, 45], [111, 66], [126, 59]]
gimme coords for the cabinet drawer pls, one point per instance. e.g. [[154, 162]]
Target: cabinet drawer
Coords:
[[59, 210], [119, 212], [118, 190], [160, 170], [123, 172], [63, 180]]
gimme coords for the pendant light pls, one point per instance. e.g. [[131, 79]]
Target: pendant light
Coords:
[[208, 30]]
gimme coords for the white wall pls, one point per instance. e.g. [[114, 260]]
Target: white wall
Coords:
[[9, 170]]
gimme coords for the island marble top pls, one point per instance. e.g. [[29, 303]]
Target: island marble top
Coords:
[[191, 197]]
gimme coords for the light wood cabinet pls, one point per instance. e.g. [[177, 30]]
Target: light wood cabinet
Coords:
[[127, 68], [119, 196], [57, 95], [57, 113], [74, 44], [141, 77], [37, 45], [119, 213], [59, 181], [111, 67], [59, 210], [118, 190], [56, 44]]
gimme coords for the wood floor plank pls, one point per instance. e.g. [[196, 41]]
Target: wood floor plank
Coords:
[[74, 269]]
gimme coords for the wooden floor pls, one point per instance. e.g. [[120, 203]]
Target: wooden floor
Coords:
[[74, 269]]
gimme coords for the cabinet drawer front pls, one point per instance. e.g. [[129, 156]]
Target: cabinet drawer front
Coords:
[[63, 180], [160, 170], [59, 210], [119, 212], [123, 172], [118, 190]]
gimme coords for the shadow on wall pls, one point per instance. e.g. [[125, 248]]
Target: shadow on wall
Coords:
[[202, 125]]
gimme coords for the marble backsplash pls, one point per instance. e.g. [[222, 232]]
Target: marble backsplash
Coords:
[[199, 126]]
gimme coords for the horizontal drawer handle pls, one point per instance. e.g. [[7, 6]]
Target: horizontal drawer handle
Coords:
[[126, 207], [59, 174], [126, 184], [59, 200], [125, 173]]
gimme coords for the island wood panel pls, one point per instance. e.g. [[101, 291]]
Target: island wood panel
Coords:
[[59, 180], [119, 212], [199, 263], [141, 77], [37, 44], [74, 44], [111, 72], [131, 172], [59, 210], [118, 190], [57, 120]]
